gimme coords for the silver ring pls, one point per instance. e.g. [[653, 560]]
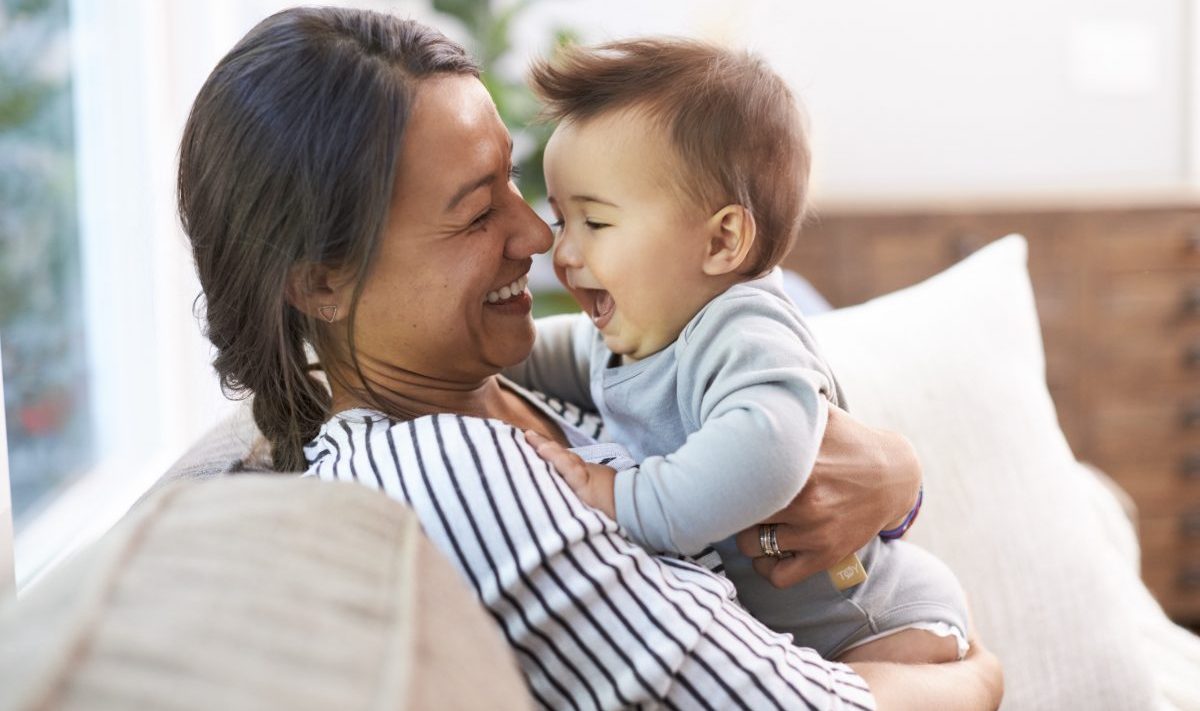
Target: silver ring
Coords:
[[768, 541]]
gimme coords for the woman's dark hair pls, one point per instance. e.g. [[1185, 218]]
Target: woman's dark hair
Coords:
[[289, 157]]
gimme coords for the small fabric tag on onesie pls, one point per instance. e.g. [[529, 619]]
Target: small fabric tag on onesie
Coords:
[[847, 572]]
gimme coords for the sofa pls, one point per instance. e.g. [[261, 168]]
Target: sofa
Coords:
[[230, 587]]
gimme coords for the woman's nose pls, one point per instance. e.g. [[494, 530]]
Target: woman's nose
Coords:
[[530, 235]]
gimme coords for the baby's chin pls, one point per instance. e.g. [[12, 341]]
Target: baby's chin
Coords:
[[629, 352]]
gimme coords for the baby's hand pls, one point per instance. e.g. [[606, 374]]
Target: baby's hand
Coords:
[[592, 483]]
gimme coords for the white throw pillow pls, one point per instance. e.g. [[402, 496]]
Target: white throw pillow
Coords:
[[956, 364]]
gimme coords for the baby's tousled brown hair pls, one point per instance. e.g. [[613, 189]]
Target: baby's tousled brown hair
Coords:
[[735, 127]]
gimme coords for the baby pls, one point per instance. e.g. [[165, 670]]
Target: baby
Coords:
[[677, 174]]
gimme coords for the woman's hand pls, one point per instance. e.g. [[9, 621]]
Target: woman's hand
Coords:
[[594, 484], [865, 481]]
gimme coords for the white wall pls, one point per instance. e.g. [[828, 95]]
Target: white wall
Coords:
[[944, 98]]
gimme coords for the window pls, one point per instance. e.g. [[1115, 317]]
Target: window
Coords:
[[41, 316], [107, 376]]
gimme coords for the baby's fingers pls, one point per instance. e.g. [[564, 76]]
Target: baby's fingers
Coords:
[[568, 464]]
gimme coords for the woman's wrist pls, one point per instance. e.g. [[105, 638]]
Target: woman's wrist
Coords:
[[898, 528], [900, 478]]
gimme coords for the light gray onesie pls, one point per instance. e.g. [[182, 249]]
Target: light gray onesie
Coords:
[[726, 423]]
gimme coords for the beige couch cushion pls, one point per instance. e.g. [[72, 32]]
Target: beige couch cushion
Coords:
[[257, 592], [956, 364]]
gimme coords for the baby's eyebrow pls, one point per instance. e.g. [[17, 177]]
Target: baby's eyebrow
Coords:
[[591, 198]]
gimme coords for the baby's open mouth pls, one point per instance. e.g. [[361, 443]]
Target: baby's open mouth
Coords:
[[599, 305]]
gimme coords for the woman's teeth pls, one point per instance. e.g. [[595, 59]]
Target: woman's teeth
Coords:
[[506, 292]]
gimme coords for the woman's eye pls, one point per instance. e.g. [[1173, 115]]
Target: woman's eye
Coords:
[[593, 225], [481, 221]]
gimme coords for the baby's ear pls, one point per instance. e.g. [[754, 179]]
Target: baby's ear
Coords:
[[319, 291], [730, 235]]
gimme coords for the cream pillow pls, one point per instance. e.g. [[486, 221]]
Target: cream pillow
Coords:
[[257, 592], [956, 364]]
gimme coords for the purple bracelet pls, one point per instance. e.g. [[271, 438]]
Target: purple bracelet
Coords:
[[893, 533]]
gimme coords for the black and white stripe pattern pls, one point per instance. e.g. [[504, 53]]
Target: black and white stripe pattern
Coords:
[[595, 621], [589, 423]]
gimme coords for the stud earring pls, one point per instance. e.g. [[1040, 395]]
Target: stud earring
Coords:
[[329, 313]]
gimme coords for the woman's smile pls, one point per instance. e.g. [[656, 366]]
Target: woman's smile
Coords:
[[507, 292]]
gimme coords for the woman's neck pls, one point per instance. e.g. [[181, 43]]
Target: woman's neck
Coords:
[[419, 396], [407, 396]]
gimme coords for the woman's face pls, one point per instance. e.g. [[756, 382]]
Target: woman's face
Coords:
[[457, 233]]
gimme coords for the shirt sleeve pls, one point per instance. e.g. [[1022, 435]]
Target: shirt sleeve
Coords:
[[558, 366], [594, 621], [756, 401]]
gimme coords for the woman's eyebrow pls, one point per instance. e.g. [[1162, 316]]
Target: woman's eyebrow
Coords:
[[468, 189], [474, 185]]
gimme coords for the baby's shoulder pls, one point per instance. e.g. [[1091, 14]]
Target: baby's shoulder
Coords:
[[744, 311]]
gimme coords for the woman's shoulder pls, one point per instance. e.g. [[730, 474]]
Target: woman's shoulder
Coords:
[[363, 426], [362, 443]]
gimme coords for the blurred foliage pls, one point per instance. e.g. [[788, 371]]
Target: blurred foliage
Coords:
[[490, 25], [38, 235], [553, 302]]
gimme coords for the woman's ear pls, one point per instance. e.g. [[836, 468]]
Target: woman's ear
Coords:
[[318, 291], [731, 232]]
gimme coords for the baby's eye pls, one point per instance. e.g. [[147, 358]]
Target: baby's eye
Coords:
[[514, 173]]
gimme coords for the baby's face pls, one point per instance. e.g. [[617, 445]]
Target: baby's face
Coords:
[[628, 246]]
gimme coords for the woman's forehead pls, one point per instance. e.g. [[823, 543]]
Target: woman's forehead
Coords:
[[454, 136]]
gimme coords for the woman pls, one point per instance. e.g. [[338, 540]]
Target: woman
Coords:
[[347, 185]]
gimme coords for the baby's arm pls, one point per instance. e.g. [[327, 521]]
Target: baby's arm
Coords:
[[756, 404], [559, 363]]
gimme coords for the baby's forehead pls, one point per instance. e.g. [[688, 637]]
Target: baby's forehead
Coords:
[[619, 127], [628, 136]]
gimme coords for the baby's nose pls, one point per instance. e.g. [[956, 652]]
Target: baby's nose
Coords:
[[566, 252]]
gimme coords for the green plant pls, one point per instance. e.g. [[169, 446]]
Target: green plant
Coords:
[[489, 28]]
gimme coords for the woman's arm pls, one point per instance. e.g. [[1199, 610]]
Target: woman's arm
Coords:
[[977, 682], [865, 480]]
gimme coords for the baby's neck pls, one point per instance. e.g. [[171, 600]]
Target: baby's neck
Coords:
[[707, 290]]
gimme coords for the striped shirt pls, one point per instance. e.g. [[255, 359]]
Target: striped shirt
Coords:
[[595, 621]]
